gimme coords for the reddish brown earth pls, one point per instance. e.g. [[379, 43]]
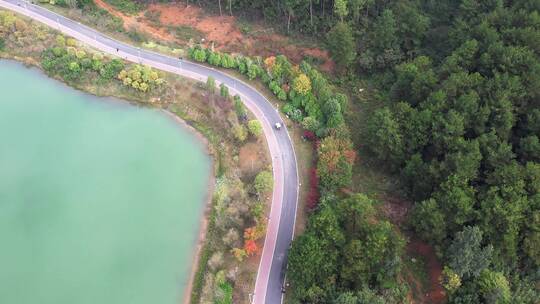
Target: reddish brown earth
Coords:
[[397, 211], [220, 31], [435, 294], [132, 22]]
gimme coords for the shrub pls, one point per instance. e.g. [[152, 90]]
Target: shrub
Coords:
[[136, 35], [296, 115], [111, 69], [60, 41], [241, 63], [210, 84], [302, 84], [450, 280], [274, 87], [494, 287], [97, 56], [2, 44], [255, 128], [224, 90], [71, 50], [253, 71], [215, 261], [263, 182], [86, 63], [71, 42], [74, 70], [281, 95], [310, 123], [80, 54], [240, 133], [224, 294], [227, 61], [58, 51], [231, 238], [214, 58], [97, 65], [197, 53], [239, 108]]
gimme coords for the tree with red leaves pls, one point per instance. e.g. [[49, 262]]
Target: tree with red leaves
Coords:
[[251, 248]]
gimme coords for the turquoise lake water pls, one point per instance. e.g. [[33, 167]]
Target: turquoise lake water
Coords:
[[100, 201]]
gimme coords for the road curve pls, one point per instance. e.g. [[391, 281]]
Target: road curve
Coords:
[[280, 230]]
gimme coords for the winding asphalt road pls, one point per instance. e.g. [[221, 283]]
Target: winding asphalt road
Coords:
[[270, 275]]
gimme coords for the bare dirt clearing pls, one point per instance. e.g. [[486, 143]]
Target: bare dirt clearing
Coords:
[[162, 21], [133, 23], [431, 291]]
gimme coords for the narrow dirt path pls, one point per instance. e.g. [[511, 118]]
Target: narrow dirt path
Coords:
[[435, 293]]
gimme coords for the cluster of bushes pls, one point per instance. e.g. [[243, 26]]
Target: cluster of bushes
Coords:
[[310, 99], [139, 77], [74, 64], [21, 36], [126, 6], [250, 68]]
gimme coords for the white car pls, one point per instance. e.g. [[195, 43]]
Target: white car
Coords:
[[277, 126]]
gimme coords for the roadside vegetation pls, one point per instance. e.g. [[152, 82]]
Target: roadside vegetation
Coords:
[[236, 221], [126, 6]]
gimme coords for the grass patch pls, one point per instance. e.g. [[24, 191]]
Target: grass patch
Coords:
[[153, 16], [136, 35], [185, 33], [244, 27], [126, 6], [314, 61]]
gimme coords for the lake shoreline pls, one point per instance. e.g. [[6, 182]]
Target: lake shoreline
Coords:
[[30, 63], [203, 225]]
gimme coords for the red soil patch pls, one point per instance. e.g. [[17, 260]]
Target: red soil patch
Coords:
[[220, 31], [436, 293], [132, 22]]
